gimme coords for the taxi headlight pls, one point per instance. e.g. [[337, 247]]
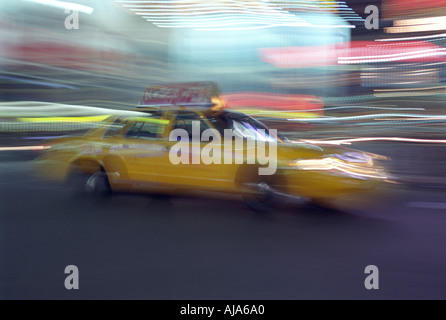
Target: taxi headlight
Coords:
[[363, 168], [328, 163], [354, 157]]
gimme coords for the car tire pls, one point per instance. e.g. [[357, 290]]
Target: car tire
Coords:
[[83, 185], [97, 184], [258, 193]]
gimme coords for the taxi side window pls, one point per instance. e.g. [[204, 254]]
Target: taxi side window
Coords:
[[134, 130], [184, 121], [147, 128], [115, 128]]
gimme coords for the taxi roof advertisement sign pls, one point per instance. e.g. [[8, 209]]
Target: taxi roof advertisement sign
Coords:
[[180, 94]]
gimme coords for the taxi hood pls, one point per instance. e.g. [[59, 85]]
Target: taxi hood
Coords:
[[305, 149]]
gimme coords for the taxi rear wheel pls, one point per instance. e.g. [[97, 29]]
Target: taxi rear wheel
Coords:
[[88, 184], [97, 184]]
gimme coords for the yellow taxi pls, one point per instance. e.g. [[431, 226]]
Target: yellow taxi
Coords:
[[138, 152]]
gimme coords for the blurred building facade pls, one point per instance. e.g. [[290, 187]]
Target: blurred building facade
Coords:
[[288, 47]]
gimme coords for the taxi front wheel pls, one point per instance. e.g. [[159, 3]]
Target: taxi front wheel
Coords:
[[259, 195]]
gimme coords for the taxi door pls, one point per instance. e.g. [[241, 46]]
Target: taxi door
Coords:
[[147, 149], [193, 172], [136, 153]]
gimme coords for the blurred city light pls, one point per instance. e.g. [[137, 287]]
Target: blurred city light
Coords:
[[64, 5]]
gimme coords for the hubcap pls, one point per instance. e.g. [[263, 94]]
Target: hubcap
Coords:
[[96, 184]]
